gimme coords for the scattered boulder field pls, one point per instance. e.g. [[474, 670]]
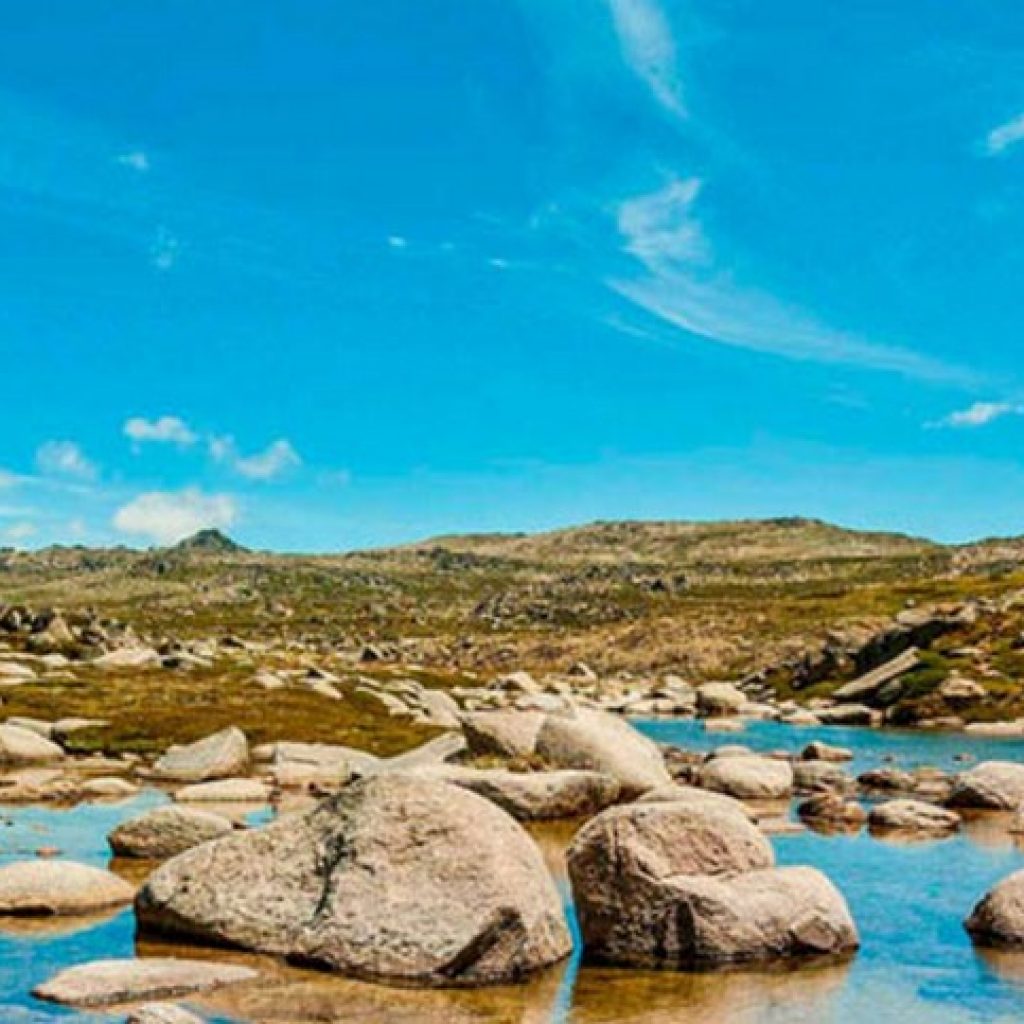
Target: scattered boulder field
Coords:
[[398, 766]]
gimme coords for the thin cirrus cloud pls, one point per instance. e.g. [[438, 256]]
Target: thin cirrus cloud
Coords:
[[169, 516], [682, 286], [649, 48], [272, 462], [65, 459], [1004, 136], [163, 430], [980, 414]]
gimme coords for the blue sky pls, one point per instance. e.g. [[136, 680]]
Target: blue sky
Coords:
[[331, 275]]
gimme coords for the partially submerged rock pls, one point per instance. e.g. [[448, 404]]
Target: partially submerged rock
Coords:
[[41, 888], [748, 777], [998, 919], [821, 777], [397, 878], [598, 741], [991, 785], [821, 751], [912, 816], [219, 756], [832, 810], [115, 982], [666, 885], [166, 832]]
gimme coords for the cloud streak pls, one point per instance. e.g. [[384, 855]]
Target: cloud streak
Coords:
[[682, 286], [65, 459], [981, 414], [1004, 136], [649, 49]]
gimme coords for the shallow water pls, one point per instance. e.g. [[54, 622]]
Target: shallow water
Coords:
[[916, 963]]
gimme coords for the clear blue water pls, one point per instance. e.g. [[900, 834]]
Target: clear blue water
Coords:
[[916, 964]]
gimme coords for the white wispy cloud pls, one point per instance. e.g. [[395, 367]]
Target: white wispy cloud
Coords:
[[8, 479], [137, 160], [272, 462], [169, 516], [683, 286], [648, 46], [65, 459], [1005, 135], [165, 429], [980, 414], [397, 241], [17, 533]]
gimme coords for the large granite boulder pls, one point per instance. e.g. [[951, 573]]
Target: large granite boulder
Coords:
[[502, 733], [992, 785], [601, 742], [998, 920], [535, 796], [220, 756], [397, 878], [113, 982], [50, 887], [166, 832], [748, 777], [670, 885]]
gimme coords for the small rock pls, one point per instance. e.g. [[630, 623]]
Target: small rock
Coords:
[[113, 982], [912, 816], [241, 791], [219, 756], [50, 887], [748, 777], [166, 832]]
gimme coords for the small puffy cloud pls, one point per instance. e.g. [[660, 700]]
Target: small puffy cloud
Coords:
[[137, 160], [169, 516], [397, 241], [1002, 137], [275, 460], [65, 458], [166, 430], [981, 414]]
